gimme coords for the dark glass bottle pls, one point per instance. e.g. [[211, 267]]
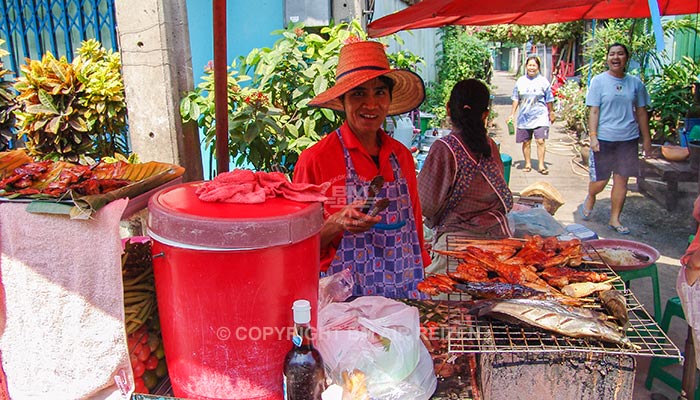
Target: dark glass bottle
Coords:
[[304, 376]]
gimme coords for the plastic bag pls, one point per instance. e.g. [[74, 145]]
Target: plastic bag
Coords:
[[335, 288], [535, 221], [381, 338]]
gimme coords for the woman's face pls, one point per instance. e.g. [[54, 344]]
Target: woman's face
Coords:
[[617, 60], [532, 68], [366, 107]]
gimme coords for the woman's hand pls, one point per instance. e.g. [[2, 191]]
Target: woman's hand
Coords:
[[350, 219], [552, 116], [595, 145]]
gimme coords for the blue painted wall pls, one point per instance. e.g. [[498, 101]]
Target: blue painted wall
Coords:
[[248, 26]]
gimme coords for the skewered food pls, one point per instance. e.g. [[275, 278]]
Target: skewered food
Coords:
[[562, 276], [498, 290], [583, 289], [55, 179], [616, 304], [552, 316]]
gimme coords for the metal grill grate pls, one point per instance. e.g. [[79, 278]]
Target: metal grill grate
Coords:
[[468, 333]]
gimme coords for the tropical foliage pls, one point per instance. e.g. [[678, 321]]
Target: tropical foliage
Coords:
[[70, 111], [671, 97], [571, 104], [270, 121], [8, 104], [462, 56], [551, 34], [669, 84]]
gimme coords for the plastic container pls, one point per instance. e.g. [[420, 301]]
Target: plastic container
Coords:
[[226, 278], [511, 127], [581, 232], [690, 132], [403, 132], [507, 162]]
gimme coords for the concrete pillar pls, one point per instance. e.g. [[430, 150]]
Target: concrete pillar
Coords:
[[157, 70], [347, 10]]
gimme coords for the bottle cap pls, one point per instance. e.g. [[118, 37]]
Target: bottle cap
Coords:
[[302, 311]]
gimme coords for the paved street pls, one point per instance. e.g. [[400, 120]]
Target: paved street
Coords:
[[640, 215]]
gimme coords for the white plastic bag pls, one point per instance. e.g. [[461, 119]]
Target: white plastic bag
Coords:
[[381, 338], [336, 287]]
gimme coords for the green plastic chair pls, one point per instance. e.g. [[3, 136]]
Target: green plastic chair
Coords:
[[650, 272], [657, 365]]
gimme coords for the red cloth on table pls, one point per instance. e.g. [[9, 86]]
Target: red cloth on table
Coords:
[[245, 186], [324, 162]]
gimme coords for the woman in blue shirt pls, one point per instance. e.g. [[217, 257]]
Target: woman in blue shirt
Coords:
[[617, 118], [533, 94]]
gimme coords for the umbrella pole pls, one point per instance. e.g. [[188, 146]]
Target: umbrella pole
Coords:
[[220, 86]]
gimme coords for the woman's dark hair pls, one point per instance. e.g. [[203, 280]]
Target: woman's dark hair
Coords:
[[616, 44], [468, 101], [537, 61]]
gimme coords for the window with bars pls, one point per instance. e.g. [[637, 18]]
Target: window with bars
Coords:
[[30, 28]]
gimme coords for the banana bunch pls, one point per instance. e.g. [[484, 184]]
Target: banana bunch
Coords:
[[139, 285]]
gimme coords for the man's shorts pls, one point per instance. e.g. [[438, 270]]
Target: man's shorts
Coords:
[[523, 135], [621, 158]]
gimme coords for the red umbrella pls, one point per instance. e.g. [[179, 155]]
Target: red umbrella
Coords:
[[435, 13]]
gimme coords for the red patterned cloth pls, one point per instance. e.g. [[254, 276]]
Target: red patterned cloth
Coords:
[[245, 186]]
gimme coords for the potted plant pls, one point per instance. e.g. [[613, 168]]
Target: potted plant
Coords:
[[671, 98]]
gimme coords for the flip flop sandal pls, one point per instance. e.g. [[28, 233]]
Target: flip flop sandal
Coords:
[[527, 169], [621, 229], [544, 171], [585, 214]]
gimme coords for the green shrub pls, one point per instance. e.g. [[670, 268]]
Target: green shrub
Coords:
[[270, 121], [671, 97], [463, 56], [571, 104], [70, 111]]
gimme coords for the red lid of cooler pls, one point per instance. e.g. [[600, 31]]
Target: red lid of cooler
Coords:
[[177, 215]]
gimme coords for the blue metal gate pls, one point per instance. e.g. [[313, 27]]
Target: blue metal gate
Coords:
[[32, 27]]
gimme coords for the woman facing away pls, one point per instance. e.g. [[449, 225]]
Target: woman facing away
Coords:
[[617, 118], [533, 95], [461, 186]]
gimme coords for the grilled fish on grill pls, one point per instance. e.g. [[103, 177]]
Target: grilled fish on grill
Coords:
[[616, 304], [552, 316], [498, 290]]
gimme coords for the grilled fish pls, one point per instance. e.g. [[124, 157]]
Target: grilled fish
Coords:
[[583, 289], [497, 290], [616, 304], [552, 316]]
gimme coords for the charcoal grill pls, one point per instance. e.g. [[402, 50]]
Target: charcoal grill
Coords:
[[469, 334]]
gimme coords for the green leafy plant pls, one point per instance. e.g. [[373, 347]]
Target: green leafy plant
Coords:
[[571, 104], [270, 121], [671, 97], [51, 120], [668, 83], [462, 56], [550, 34], [8, 104], [72, 111], [103, 98]]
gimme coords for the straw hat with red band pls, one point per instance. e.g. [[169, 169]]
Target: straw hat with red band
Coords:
[[360, 62]]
